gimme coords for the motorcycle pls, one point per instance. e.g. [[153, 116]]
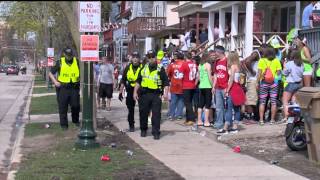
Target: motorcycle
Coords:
[[295, 132]]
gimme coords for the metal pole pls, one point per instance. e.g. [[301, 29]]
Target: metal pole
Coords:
[[87, 135]]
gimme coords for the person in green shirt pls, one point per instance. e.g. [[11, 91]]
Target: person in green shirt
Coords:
[[268, 88]]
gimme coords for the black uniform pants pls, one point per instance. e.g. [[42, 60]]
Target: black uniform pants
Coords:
[[188, 97], [130, 102], [68, 96], [147, 102]]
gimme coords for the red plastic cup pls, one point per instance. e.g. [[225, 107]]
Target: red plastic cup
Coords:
[[105, 158], [237, 149]]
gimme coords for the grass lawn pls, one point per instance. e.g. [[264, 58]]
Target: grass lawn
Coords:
[[44, 105], [41, 90], [62, 161], [38, 80]]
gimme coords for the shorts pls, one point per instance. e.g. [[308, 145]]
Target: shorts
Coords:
[[293, 87], [106, 90], [205, 98], [307, 71], [266, 89], [252, 95]]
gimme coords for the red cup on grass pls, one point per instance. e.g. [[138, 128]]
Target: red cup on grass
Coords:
[[105, 157]]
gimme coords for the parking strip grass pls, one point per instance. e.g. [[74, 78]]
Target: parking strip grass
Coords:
[[63, 161], [41, 90], [44, 105]]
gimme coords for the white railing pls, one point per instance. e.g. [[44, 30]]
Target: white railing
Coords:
[[226, 43], [313, 39], [260, 38], [239, 44], [120, 33]]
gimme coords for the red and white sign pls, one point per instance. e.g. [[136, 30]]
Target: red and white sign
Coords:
[[89, 48], [90, 16], [50, 61], [50, 52]]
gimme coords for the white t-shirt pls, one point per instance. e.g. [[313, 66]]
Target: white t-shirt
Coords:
[[106, 73], [182, 40]]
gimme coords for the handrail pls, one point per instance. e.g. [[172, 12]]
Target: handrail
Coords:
[[196, 48], [215, 42]]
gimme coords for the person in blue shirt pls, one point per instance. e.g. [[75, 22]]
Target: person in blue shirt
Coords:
[[306, 15]]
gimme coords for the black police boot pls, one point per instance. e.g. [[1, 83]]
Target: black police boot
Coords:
[[64, 128], [131, 128], [143, 133], [156, 136]]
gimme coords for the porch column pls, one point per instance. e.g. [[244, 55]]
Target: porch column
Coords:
[[222, 23], [180, 21], [234, 25], [211, 28], [249, 29], [197, 29], [297, 15], [170, 37], [148, 44]]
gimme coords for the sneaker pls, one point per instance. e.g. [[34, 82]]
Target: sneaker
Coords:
[[170, 118], [222, 131], [234, 131], [188, 123], [180, 117]]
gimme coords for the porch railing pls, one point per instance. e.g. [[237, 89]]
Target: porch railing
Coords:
[[226, 43], [260, 38], [239, 44], [143, 26], [121, 33], [313, 38]]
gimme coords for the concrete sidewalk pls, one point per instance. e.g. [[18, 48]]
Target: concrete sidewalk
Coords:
[[199, 155]]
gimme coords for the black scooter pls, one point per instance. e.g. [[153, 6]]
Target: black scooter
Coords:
[[295, 132]]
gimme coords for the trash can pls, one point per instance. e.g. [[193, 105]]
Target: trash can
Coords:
[[309, 100]]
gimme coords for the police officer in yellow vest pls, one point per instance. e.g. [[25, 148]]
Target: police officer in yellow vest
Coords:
[[152, 81], [129, 78], [68, 87]]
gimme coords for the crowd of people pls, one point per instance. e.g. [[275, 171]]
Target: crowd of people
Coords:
[[214, 87]]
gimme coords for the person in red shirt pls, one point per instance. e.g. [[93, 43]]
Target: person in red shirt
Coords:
[[189, 71], [220, 84], [175, 76]]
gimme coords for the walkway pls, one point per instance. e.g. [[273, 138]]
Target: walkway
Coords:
[[197, 155]]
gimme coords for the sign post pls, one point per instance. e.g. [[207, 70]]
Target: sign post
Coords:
[[50, 59], [89, 22]]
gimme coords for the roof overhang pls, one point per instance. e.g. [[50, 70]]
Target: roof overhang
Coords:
[[216, 5], [189, 8], [166, 32]]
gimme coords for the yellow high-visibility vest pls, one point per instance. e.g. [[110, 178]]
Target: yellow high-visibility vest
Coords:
[[69, 73], [152, 79], [131, 76]]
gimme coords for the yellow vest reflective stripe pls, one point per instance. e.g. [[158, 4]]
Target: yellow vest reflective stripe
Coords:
[[69, 73], [152, 79], [131, 76]]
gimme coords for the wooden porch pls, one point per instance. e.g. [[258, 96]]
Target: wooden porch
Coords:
[[142, 27]]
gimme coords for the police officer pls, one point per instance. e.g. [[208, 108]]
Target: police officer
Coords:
[[68, 87], [128, 80], [152, 80]]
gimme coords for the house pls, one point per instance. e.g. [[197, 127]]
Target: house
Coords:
[[253, 22], [147, 17]]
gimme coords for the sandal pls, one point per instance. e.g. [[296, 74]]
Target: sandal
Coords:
[[207, 125], [198, 124]]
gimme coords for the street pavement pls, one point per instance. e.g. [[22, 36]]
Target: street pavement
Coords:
[[14, 94]]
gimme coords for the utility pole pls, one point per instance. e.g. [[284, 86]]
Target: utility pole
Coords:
[[87, 136], [46, 41]]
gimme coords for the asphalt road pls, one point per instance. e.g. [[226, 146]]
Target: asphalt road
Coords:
[[14, 91]]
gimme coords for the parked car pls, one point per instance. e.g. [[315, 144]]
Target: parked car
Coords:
[[12, 70]]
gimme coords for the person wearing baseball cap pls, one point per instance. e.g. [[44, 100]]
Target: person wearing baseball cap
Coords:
[[128, 82], [67, 86], [152, 81]]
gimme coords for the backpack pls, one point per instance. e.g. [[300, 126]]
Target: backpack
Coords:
[[268, 76]]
